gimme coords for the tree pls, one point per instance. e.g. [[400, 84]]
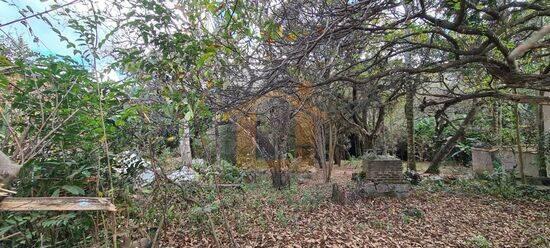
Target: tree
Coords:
[[449, 144], [277, 115], [409, 115]]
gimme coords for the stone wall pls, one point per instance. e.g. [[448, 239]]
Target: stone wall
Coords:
[[482, 160], [248, 135], [509, 159], [383, 170]]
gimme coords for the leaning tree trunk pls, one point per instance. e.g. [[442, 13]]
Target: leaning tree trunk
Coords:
[[448, 146], [409, 115]]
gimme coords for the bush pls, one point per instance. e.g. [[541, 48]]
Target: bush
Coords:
[[227, 172]]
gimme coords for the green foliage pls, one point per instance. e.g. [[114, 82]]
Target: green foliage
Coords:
[[413, 212], [4, 61], [226, 172], [498, 184], [39, 228], [56, 107], [480, 241]]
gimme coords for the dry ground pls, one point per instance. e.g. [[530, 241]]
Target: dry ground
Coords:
[[303, 217]]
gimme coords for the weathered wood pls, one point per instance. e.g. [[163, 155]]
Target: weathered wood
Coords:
[[56, 204]]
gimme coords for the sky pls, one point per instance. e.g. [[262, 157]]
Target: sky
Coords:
[[48, 41]]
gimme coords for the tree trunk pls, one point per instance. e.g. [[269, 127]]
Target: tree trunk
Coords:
[[496, 123], [319, 142], [185, 144], [280, 123], [333, 132], [447, 147], [518, 141], [218, 144], [368, 143], [541, 150], [339, 154], [409, 115], [355, 149], [280, 179]]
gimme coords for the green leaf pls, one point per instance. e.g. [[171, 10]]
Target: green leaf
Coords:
[[189, 114], [56, 193], [75, 190], [3, 82], [204, 58]]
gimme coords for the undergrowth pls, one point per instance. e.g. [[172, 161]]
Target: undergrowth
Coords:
[[501, 185]]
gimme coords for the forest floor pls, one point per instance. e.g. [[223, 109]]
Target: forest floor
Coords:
[[303, 216]]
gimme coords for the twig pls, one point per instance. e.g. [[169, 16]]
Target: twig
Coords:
[[38, 14], [213, 230], [159, 228], [8, 191], [10, 236]]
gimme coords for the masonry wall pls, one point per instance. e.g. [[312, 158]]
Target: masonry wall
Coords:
[[483, 162], [387, 171], [245, 146]]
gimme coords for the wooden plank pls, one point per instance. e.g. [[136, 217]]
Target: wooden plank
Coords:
[[56, 204]]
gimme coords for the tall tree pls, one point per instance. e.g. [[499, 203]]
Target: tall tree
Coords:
[[409, 115]]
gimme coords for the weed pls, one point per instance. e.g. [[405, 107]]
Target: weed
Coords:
[[361, 226], [281, 217], [479, 241], [539, 241], [378, 224], [498, 184]]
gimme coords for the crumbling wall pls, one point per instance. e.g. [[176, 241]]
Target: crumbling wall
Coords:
[[482, 160], [304, 139], [247, 140], [228, 142], [245, 145]]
